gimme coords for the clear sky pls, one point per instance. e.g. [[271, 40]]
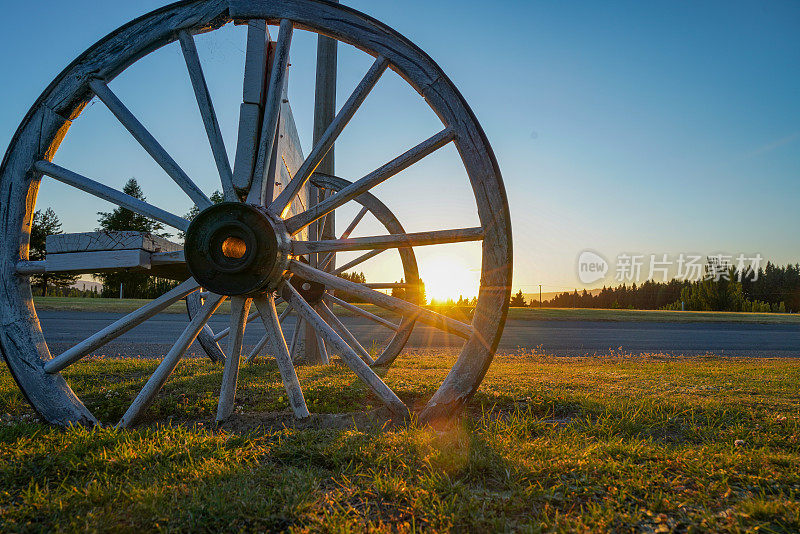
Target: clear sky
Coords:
[[638, 127]]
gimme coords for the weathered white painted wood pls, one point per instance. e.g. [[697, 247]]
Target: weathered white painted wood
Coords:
[[207, 113], [267, 338], [343, 332], [42, 130], [158, 259], [194, 303], [255, 61], [358, 261], [390, 285], [383, 300], [252, 108], [149, 143], [281, 204], [350, 358], [330, 299], [108, 240], [224, 333], [31, 267], [240, 307], [439, 237], [324, 359], [119, 327], [295, 347], [38, 138], [272, 112], [266, 306], [247, 145], [97, 262], [112, 195], [371, 180], [168, 364]]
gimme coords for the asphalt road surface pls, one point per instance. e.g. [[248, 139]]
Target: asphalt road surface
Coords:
[[154, 337]]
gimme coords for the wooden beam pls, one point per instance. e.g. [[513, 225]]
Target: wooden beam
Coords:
[[439, 237], [272, 112]]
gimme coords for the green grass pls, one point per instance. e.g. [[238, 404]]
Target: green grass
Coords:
[[623, 443], [524, 314]]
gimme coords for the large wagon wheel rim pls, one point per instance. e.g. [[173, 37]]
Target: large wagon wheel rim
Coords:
[[44, 127], [402, 329]]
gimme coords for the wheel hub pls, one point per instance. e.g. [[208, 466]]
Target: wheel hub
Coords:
[[311, 291], [237, 249]]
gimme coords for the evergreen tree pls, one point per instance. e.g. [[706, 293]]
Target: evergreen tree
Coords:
[[43, 225], [133, 284], [518, 300]]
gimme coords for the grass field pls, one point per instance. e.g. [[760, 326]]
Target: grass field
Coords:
[[530, 314], [624, 443]]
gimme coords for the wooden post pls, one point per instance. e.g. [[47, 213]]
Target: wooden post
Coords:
[[324, 113]]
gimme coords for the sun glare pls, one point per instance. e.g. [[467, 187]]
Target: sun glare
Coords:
[[448, 277]]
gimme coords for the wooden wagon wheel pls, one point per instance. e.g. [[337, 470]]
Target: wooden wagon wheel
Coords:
[[224, 241], [402, 329]]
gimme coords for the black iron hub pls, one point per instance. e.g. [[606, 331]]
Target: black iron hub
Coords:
[[312, 292], [237, 249]]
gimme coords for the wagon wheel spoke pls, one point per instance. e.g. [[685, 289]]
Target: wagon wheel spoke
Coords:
[[348, 355], [358, 261], [360, 311], [269, 315], [268, 336], [298, 326], [149, 143], [240, 306], [111, 195], [343, 332], [281, 204], [439, 237], [207, 113], [170, 361], [322, 348], [272, 111], [402, 162], [222, 334], [382, 300], [121, 326], [350, 229]]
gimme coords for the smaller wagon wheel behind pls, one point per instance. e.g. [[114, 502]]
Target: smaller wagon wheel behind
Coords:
[[402, 329]]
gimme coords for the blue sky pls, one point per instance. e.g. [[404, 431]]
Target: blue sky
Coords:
[[669, 127]]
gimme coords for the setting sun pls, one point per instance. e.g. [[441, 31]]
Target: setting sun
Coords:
[[448, 277]]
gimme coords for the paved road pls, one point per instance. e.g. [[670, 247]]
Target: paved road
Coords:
[[153, 338]]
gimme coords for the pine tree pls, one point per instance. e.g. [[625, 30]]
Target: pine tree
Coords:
[[134, 284], [518, 300], [43, 225], [122, 219]]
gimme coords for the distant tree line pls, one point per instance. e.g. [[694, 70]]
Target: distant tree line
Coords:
[[772, 289]]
